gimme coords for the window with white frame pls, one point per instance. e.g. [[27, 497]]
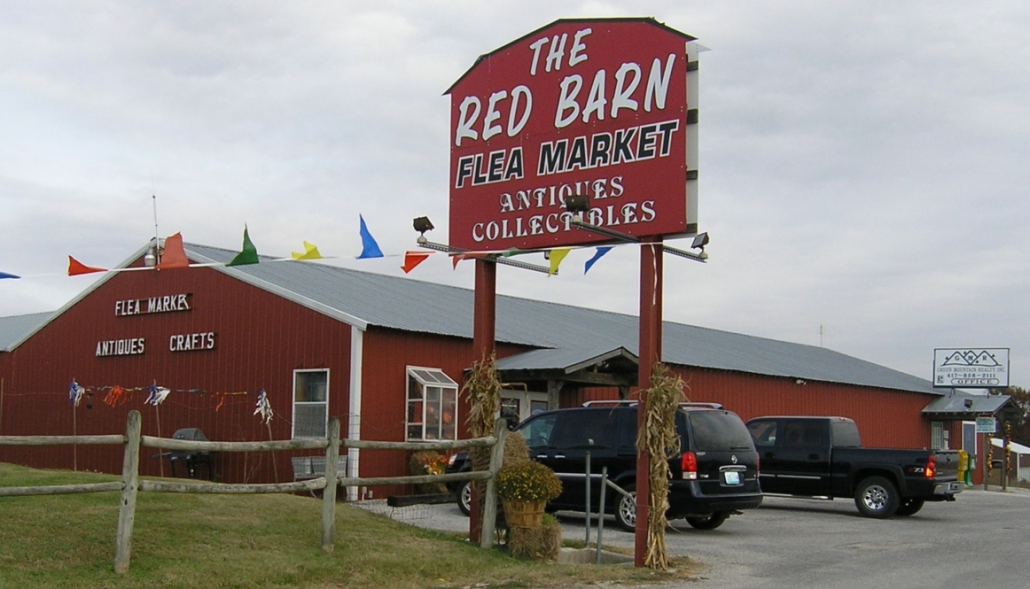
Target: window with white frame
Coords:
[[310, 403], [432, 405]]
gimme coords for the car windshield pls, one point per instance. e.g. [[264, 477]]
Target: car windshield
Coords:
[[719, 431]]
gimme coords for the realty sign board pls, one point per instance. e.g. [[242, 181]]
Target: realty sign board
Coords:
[[971, 367], [598, 108]]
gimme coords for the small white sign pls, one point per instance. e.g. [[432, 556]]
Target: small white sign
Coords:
[[971, 368], [986, 425]]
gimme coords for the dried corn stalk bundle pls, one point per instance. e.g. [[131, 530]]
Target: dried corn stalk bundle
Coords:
[[659, 438], [484, 394]]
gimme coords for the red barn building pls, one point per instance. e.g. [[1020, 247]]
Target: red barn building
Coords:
[[384, 354]]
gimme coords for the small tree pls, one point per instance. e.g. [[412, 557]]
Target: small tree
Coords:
[[1020, 398]]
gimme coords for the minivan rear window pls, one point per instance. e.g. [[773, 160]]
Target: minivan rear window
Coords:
[[719, 431]]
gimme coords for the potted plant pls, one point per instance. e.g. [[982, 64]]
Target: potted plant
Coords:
[[525, 487]]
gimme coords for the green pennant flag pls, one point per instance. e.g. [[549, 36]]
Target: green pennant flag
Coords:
[[249, 254]]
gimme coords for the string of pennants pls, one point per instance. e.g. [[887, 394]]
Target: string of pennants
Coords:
[[174, 256], [116, 395]]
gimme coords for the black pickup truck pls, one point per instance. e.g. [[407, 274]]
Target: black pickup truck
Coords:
[[823, 457]]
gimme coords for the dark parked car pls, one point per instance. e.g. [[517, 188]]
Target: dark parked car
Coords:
[[714, 473]]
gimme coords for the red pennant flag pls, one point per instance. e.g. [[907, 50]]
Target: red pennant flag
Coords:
[[457, 258], [174, 255], [412, 259], [76, 268]]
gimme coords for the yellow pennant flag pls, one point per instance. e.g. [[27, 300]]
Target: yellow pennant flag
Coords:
[[310, 253], [556, 257]]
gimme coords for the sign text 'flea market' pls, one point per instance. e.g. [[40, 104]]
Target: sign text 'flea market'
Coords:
[[161, 304], [595, 108]]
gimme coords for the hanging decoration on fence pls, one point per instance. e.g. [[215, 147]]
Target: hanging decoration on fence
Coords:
[[116, 395], [157, 395], [174, 256], [75, 393], [264, 408]]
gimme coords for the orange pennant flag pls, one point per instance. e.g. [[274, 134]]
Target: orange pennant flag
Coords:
[[457, 258], [76, 268], [174, 255], [412, 259]]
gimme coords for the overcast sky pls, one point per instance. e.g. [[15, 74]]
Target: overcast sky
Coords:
[[863, 165]]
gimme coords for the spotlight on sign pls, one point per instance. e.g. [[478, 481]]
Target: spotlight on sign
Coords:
[[577, 203], [700, 241], [422, 224]]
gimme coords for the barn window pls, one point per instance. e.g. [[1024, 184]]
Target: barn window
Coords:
[[310, 403], [432, 405]]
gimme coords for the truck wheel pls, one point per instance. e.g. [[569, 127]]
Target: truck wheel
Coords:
[[909, 506], [876, 497], [708, 522], [465, 497], [626, 508]]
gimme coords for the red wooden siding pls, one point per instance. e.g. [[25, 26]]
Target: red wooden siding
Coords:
[[387, 353], [261, 339], [885, 418]]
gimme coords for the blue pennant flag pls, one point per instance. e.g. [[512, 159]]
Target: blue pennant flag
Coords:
[[370, 249], [597, 256], [6, 275]]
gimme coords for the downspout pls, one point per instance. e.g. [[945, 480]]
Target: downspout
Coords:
[[354, 411]]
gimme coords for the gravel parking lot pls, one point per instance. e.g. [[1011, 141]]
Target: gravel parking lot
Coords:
[[978, 540]]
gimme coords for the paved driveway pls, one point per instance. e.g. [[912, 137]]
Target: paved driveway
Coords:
[[980, 540]]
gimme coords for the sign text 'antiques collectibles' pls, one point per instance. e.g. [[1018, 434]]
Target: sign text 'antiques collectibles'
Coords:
[[595, 108]]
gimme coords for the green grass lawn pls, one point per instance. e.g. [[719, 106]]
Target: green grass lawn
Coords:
[[248, 542]]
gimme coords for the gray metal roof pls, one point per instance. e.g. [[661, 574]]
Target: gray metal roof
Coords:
[[14, 329], [565, 359], [573, 334], [961, 402], [363, 298]]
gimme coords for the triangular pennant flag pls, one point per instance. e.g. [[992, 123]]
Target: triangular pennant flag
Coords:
[[369, 247], [513, 251], [310, 253], [412, 259], [76, 268], [249, 253], [597, 256], [6, 275], [556, 257], [174, 255], [455, 259]]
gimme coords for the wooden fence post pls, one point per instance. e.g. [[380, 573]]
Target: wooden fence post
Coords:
[[332, 453], [486, 536], [130, 486]]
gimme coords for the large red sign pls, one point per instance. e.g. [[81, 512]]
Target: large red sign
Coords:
[[579, 107]]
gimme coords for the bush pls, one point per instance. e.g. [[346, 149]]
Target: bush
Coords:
[[528, 481]]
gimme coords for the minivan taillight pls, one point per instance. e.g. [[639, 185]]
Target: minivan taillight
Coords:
[[688, 464], [931, 467]]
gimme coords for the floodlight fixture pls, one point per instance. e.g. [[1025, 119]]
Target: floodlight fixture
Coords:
[[577, 203], [422, 224], [700, 241]]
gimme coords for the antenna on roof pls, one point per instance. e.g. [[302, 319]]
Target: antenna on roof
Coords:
[[153, 256], [154, 197]]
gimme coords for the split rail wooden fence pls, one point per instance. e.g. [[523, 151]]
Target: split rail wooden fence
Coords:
[[131, 484]]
